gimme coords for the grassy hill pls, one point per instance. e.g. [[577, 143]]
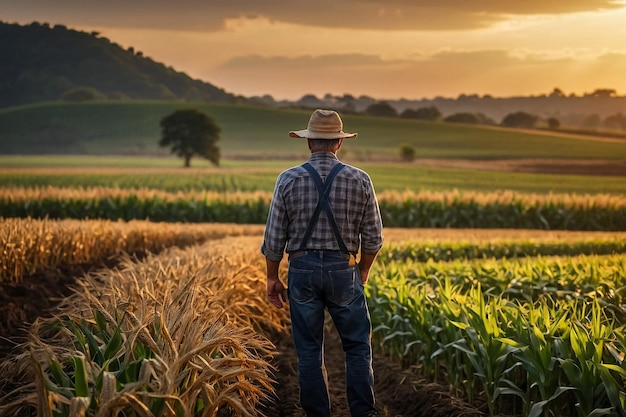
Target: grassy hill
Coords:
[[132, 128]]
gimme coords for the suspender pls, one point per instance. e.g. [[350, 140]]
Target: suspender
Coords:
[[323, 188]]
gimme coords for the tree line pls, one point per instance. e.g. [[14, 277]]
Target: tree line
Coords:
[[517, 119]]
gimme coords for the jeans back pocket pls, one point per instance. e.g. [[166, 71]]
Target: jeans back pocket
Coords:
[[300, 284], [345, 285]]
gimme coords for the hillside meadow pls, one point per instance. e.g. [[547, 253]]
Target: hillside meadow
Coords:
[[132, 128]]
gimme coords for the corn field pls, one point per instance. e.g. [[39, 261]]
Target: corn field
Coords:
[[532, 336], [399, 209], [524, 322]]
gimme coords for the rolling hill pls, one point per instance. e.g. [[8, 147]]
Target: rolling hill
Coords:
[[132, 128], [43, 63]]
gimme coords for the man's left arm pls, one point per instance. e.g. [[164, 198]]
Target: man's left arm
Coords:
[[365, 263], [371, 233]]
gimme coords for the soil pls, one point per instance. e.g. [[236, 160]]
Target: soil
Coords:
[[399, 393], [592, 167]]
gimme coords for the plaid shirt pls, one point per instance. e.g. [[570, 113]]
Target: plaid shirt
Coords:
[[352, 199]]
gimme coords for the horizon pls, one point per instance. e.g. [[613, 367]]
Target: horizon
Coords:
[[392, 51]]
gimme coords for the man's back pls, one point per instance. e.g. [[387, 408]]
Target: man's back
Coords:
[[323, 213], [351, 197]]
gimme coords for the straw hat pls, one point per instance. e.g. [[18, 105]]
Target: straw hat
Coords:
[[323, 124]]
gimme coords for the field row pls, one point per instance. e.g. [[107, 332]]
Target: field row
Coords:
[[524, 335], [529, 336], [185, 333], [260, 175], [398, 209], [30, 245]]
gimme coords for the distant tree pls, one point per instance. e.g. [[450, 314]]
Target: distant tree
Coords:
[[484, 120], [553, 123], [520, 119], [423, 113], [82, 94], [615, 121], [382, 109], [592, 121], [469, 118], [468, 97], [191, 132], [347, 103], [310, 100], [408, 114], [602, 92], [407, 152], [557, 92]]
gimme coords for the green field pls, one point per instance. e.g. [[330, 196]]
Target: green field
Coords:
[[132, 128], [114, 144], [259, 175]]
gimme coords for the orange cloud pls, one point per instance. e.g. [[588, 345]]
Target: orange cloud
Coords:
[[495, 72], [211, 15]]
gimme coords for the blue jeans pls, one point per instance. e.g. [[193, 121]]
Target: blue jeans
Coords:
[[325, 280]]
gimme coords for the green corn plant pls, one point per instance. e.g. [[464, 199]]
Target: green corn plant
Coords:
[[482, 345], [447, 303], [614, 374], [587, 339], [398, 313], [538, 339]]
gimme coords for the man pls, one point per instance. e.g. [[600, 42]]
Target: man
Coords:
[[322, 213]]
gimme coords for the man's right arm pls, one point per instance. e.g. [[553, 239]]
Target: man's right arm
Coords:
[[276, 291]]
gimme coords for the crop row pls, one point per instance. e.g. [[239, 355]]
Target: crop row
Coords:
[[31, 245], [526, 336], [532, 336], [438, 210], [184, 333], [448, 251]]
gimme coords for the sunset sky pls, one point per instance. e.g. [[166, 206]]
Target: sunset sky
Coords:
[[385, 49]]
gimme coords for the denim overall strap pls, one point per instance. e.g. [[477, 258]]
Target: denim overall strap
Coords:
[[323, 188]]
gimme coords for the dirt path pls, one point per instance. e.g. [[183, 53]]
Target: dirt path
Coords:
[[398, 393], [592, 167]]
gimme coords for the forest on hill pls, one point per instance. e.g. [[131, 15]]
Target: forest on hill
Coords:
[[44, 63]]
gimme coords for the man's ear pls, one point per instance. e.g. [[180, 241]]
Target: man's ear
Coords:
[[308, 141], [340, 143]]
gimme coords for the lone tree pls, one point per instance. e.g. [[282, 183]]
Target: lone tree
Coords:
[[407, 152], [189, 133]]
